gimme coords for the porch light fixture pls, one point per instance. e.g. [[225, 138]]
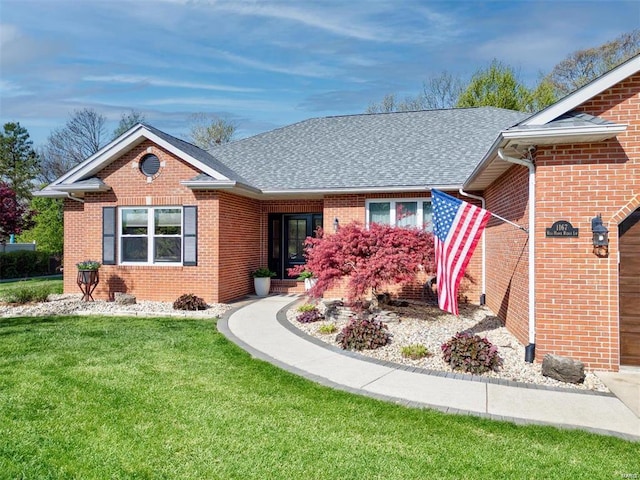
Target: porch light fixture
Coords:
[[600, 237], [336, 225]]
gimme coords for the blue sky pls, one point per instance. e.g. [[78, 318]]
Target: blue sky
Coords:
[[267, 64]]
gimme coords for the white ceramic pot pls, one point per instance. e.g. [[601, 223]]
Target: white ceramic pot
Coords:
[[309, 283], [262, 286]]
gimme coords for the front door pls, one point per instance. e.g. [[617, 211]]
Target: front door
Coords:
[[629, 234], [287, 233]]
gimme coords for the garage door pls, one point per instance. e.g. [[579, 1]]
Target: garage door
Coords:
[[629, 231]]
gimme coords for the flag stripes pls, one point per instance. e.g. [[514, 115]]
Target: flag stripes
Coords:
[[457, 229]]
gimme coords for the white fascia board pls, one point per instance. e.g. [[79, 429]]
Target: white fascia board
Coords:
[[83, 188], [539, 134], [585, 93], [99, 160], [49, 193]]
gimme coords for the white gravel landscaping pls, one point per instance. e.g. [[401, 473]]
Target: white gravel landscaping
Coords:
[[431, 327], [71, 304]]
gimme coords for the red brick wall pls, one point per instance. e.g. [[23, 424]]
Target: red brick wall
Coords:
[[507, 250], [83, 230], [576, 292], [240, 249]]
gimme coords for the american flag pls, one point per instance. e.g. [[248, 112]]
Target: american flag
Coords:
[[457, 227]]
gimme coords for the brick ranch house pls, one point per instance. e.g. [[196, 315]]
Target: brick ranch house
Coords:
[[167, 218]]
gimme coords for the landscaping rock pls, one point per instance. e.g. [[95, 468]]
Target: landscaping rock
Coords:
[[563, 369], [124, 298]]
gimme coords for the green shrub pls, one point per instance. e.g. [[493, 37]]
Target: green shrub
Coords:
[[25, 293], [471, 353], [189, 301], [24, 263], [327, 328], [307, 307], [364, 333], [415, 351]]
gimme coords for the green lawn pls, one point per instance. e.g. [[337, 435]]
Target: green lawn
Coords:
[[105, 397], [9, 288]]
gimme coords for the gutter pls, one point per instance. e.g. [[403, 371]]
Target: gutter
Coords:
[[531, 348]]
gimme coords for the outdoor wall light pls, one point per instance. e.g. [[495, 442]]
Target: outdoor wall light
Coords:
[[600, 237], [336, 225]]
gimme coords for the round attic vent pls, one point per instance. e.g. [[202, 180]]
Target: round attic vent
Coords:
[[150, 165]]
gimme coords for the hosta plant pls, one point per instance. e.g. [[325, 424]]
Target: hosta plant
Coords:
[[189, 301], [364, 333], [471, 353]]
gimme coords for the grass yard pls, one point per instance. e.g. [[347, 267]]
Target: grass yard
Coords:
[[9, 289], [104, 397]]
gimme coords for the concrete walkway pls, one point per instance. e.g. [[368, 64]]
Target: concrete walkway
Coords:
[[255, 327]]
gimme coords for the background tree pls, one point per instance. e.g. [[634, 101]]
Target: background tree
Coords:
[[582, 66], [14, 215], [369, 259], [128, 120], [208, 131], [18, 160], [47, 229], [442, 91], [82, 136], [497, 86]]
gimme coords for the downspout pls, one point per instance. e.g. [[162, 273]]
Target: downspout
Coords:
[[71, 197], [530, 350], [483, 297]]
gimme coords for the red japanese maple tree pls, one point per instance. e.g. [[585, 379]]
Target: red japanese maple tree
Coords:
[[367, 258], [14, 217]]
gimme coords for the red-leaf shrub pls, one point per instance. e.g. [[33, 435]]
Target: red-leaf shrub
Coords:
[[368, 259], [14, 217], [364, 333], [471, 353]]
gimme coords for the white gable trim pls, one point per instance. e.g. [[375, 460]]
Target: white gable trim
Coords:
[[582, 95], [113, 150]]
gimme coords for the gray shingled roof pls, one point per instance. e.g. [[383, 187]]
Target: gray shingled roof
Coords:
[[199, 154], [408, 149]]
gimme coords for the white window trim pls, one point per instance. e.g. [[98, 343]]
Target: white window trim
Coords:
[[392, 207], [150, 235]]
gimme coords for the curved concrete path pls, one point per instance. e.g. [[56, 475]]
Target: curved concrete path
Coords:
[[255, 328]]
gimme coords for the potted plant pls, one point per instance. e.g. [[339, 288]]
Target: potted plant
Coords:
[[88, 278], [262, 281], [309, 280]]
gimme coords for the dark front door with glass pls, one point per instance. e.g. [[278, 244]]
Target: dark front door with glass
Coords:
[[287, 233]]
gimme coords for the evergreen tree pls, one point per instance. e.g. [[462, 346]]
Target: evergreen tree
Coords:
[[18, 160]]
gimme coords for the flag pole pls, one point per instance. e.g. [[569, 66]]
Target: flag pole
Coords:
[[510, 222]]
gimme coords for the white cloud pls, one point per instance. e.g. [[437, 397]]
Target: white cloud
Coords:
[[158, 82]]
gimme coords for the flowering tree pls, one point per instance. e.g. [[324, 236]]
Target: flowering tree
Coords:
[[368, 259], [14, 217]]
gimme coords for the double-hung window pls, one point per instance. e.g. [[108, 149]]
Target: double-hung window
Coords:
[[150, 235], [410, 212]]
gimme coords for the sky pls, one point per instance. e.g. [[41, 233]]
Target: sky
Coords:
[[266, 64]]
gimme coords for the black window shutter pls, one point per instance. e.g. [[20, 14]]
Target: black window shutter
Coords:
[[190, 236], [108, 235]]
